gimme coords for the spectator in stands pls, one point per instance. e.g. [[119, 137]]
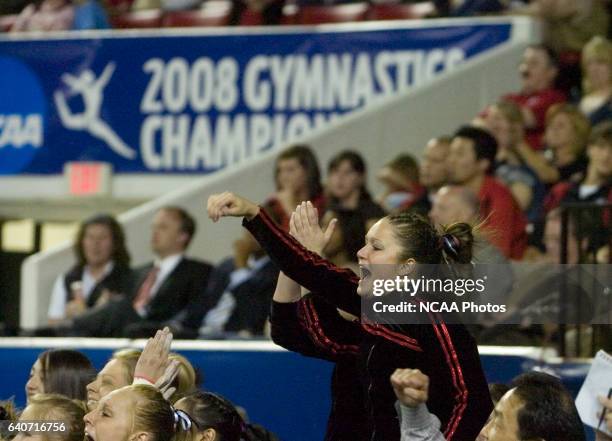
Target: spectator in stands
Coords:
[[164, 290], [471, 163], [54, 409], [538, 71], [60, 371], [238, 295], [297, 178], [351, 205], [403, 190], [213, 416], [102, 270], [433, 172], [460, 204], [595, 187], [567, 133], [596, 102], [505, 122], [537, 406], [568, 26], [132, 412], [90, 14], [45, 15]]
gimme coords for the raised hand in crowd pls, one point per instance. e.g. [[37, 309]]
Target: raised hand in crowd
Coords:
[[153, 365], [411, 386], [230, 204], [304, 227]]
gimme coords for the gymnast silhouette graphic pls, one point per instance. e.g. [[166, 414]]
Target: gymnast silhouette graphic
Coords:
[[89, 120]]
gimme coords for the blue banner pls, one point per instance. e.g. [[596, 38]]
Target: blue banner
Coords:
[[195, 103]]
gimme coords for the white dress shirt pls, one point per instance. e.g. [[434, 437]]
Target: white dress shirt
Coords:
[[57, 305]]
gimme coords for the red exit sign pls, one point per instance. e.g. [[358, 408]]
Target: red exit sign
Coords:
[[88, 178]]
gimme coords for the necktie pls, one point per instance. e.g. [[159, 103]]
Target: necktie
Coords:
[[144, 293]]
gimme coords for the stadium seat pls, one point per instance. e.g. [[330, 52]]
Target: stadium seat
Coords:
[[399, 11], [150, 18], [250, 17], [6, 22], [212, 13], [317, 14]]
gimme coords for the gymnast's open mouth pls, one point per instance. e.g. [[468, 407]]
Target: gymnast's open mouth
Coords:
[[364, 272]]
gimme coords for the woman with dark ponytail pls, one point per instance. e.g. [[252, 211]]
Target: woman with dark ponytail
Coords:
[[397, 245], [213, 418]]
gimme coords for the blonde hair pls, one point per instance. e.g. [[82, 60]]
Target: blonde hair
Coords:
[[154, 415], [512, 112], [600, 49], [128, 358], [185, 381], [580, 124], [54, 407]]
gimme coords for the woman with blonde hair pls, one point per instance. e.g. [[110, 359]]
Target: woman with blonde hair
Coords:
[[596, 102], [135, 412], [131, 365], [63, 416], [566, 137]]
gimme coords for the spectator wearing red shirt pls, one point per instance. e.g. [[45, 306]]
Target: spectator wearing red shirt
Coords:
[[471, 163], [538, 70]]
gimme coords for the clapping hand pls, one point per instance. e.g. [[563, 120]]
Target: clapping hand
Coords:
[[304, 227], [153, 364]]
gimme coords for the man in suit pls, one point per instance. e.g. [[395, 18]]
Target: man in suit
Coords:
[[241, 287], [163, 291]]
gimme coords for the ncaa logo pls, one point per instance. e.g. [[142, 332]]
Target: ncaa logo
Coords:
[[22, 115]]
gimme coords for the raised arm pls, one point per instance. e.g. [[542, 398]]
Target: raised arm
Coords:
[[411, 388], [305, 267]]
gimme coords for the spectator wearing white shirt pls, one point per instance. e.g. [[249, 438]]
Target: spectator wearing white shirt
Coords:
[[101, 271]]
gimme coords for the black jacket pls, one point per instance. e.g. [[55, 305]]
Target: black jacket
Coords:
[[117, 281], [182, 288], [448, 354]]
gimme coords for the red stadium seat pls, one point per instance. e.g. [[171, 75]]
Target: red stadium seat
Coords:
[[317, 14], [6, 22], [212, 13], [150, 18], [250, 17], [400, 11]]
